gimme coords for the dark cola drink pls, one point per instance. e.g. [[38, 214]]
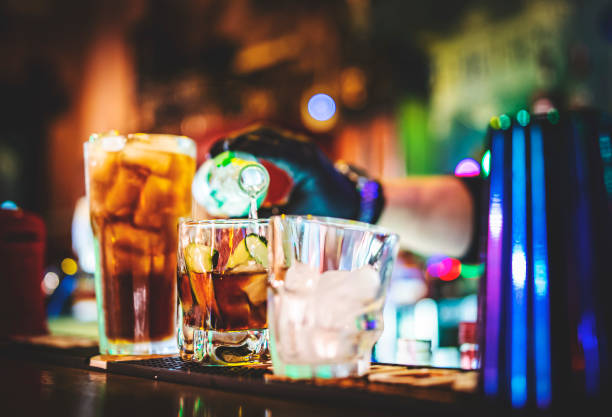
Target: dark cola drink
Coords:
[[138, 187], [224, 302]]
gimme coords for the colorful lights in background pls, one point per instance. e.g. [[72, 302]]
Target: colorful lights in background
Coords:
[[70, 291], [553, 116], [542, 105], [494, 123], [444, 268], [418, 148], [472, 271], [318, 109], [63, 287], [353, 87], [523, 117], [9, 205], [321, 107], [486, 163], [447, 269], [50, 282], [467, 167], [69, 266], [504, 121]]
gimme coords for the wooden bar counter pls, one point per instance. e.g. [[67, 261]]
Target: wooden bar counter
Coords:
[[39, 380]]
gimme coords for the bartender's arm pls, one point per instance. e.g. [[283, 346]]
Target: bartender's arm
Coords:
[[432, 214]]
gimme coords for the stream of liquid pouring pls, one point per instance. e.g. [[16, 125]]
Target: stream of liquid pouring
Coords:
[[253, 208]]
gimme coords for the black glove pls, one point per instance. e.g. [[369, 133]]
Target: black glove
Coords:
[[319, 188]]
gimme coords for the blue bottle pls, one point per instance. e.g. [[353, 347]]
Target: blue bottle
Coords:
[[545, 303]]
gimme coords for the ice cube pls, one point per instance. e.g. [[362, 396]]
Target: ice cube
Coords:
[[101, 171], [318, 316], [295, 325], [256, 289], [123, 195], [131, 239], [155, 202], [301, 278], [102, 165], [342, 296], [146, 157], [113, 143], [361, 284], [182, 170]]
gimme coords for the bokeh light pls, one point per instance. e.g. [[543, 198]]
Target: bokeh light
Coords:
[[486, 163], [50, 282], [523, 117], [467, 167], [472, 271], [553, 116], [542, 105], [194, 125], [69, 266], [353, 87], [494, 122], [452, 269], [434, 263], [321, 107], [504, 121], [9, 205], [443, 267], [318, 108]]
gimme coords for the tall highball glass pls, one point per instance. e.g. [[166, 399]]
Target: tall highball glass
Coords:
[[138, 186]]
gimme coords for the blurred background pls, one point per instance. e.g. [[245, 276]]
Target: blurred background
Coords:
[[408, 88]]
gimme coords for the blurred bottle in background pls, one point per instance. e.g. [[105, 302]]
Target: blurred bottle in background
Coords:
[[469, 356], [22, 252]]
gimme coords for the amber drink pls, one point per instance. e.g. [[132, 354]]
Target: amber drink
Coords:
[[138, 186], [222, 286]]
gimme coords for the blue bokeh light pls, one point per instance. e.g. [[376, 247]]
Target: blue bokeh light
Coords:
[[321, 107], [9, 205]]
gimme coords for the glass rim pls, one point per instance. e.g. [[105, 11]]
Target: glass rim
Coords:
[[336, 222], [185, 144], [206, 223]]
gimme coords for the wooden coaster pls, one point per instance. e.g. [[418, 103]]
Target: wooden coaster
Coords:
[[101, 361], [422, 377]]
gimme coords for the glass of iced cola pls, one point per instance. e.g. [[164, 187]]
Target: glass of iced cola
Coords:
[[138, 186], [222, 286]]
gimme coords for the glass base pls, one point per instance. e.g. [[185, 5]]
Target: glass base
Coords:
[[223, 348], [162, 347], [327, 371]]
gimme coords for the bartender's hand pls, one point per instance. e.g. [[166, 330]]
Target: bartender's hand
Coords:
[[312, 184]]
